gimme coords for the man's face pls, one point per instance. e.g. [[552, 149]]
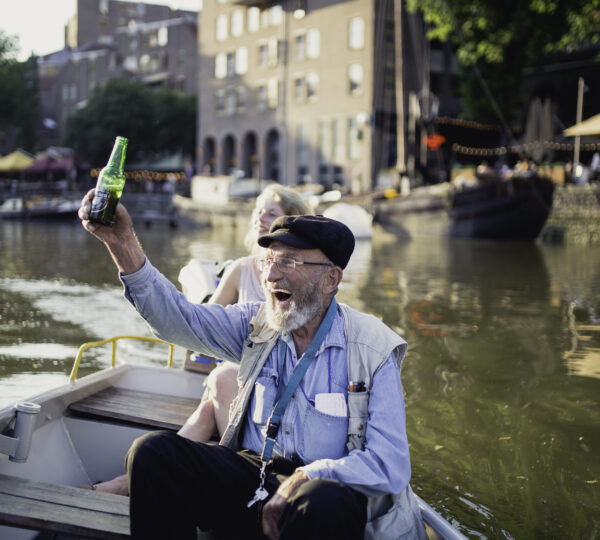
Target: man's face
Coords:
[[293, 296]]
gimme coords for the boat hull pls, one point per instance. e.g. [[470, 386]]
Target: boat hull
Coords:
[[514, 209]]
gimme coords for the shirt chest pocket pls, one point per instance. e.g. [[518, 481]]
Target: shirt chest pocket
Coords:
[[323, 435], [263, 397]]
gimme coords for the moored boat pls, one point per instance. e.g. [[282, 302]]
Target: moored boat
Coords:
[[78, 434], [496, 209], [40, 208]]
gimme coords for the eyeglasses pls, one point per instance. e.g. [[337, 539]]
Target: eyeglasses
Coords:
[[284, 264]]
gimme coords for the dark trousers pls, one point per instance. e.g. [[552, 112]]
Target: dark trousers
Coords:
[[177, 485]]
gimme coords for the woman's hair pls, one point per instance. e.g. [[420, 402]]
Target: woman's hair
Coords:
[[290, 201]]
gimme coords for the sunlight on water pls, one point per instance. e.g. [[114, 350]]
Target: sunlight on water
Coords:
[[47, 351], [13, 386]]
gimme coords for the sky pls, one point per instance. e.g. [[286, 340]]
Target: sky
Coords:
[[39, 24]]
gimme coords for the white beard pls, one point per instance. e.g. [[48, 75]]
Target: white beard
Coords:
[[304, 306]]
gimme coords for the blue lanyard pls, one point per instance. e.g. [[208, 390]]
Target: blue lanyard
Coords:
[[299, 371]]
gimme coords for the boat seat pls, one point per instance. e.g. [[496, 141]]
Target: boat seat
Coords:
[[140, 408], [65, 512], [68, 510]]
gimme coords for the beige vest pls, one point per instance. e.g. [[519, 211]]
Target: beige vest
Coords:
[[369, 345]]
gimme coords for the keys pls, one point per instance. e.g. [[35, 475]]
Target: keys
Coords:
[[259, 495]]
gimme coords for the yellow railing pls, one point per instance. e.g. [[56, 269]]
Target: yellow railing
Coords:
[[114, 340]]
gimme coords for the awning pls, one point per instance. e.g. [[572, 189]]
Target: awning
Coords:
[[15, 161], [45, 162], [591, 126]]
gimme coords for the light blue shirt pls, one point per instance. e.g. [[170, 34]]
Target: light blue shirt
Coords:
[[383, 466]]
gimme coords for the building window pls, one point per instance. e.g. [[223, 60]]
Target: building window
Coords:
[[240, 98], [300, 46], [264, 18], [220, 101], [241, 61], [180, 57], [312, 86], [353, 139], [273, 93], [356, 33], [230, 101], [275, 15], [313, 44], [163, 36], [324, 145], [261, 97], [302, 152], [145, 62], [237, 23], [263, 55], [355, 78], [220, 66], [230, 64], [253, 19], [221, 28], [153, 38], [299, 90]]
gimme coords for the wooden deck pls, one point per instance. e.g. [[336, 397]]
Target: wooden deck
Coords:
[[141, 408], [62, 509]]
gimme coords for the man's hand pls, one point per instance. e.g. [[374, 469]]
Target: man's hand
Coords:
[[273, 508], [120, 239]]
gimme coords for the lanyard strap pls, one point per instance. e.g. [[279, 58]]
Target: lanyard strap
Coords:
[[279, 407]]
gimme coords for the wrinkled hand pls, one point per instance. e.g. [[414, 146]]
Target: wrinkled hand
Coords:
[[122, 225], [272, 510], [120, 239]]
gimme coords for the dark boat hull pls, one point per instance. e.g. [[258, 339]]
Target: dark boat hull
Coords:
[[514, 209]]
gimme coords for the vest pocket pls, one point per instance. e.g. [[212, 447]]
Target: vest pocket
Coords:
[[324, 435], [263, 398], [358, 412]]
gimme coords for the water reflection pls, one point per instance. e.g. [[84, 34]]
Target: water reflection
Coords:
[[501, 375]]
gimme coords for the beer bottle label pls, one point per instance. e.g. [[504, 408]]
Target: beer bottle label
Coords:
[[100, 201]]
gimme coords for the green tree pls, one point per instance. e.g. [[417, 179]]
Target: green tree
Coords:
[[495, 40], [154, 121], [19, 100]]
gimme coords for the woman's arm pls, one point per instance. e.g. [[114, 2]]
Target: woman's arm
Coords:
[[228, 289]]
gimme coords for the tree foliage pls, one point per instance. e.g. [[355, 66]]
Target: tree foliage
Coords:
[[156, 122], [18, 97], [502, 38]]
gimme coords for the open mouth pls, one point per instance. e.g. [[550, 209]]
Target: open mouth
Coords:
[[282, 296]]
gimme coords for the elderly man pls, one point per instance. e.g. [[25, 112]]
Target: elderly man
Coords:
[[316, 444]]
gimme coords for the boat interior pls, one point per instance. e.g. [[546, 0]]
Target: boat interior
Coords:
[[81, 435], [78, 434]]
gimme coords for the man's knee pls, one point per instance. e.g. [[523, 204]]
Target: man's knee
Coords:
[[146, 449], [326, 508]]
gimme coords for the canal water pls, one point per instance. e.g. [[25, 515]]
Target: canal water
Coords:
[[502, 375]]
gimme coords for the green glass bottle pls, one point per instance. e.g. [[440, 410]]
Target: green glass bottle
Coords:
[[109, 188]]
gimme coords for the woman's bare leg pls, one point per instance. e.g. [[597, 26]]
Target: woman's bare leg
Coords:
[[209, 419]]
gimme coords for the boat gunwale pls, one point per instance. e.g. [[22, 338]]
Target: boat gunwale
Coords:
[[54, 402]]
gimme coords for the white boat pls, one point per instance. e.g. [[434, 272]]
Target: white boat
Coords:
[[78, 434]]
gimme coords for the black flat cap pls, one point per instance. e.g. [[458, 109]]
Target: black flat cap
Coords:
[[313, 232]]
